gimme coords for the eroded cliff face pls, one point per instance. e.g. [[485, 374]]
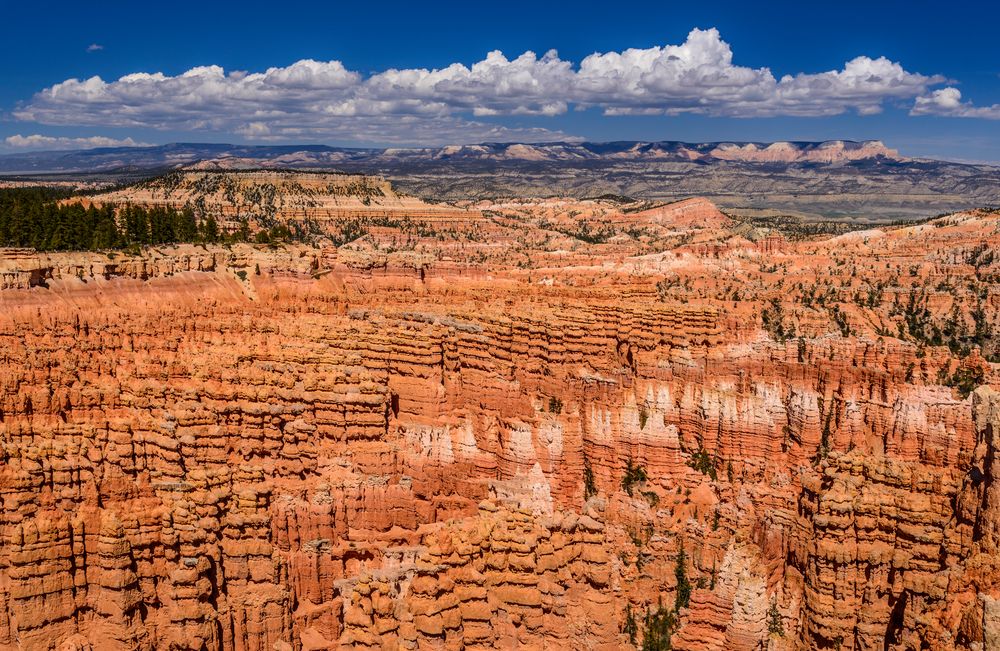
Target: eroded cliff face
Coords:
[[305, 448]]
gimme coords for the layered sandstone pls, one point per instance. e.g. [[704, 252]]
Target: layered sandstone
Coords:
[[270, 197], [428, 445]]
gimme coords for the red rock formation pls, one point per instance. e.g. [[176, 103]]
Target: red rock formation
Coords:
[[700, 213], [428, 448]]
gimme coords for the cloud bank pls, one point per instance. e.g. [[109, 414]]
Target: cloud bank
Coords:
[[36, 141], [325, 99]]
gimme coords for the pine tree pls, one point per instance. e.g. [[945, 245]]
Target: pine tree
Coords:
[[209, 229], [186, 226], [774, 624], [589, 485], [683, 585], [630, 627]]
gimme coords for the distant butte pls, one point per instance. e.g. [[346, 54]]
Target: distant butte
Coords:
[[818, 180]]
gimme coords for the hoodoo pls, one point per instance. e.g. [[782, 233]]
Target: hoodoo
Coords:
[[518, 423]]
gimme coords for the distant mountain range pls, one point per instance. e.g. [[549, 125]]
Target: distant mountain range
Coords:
[[829, 179], [111, 159]]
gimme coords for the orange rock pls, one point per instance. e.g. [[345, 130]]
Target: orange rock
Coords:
[[431, 447]]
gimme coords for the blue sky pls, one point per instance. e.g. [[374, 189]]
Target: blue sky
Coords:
[[923, 77]]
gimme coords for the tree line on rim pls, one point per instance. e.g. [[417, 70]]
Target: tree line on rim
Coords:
[[35, 218]]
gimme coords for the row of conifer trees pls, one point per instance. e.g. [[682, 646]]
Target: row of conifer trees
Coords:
[[33, 217]]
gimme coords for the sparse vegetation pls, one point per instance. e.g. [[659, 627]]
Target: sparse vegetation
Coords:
[[660, 624], [704, 463], [634, 474], [965, 380], [585, 233], [826, 416], [630, 627], [773, 318], [795, 228], [658, 627], [840, 320], [589, 485], [683, 597], [651, 497], [774, 624]]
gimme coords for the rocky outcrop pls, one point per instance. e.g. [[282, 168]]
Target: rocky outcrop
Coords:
[[690, 212], [831, 151], [266, 198], [363, 447]]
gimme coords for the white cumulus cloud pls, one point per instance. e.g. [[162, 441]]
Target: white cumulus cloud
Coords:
[[37, 141], [325, 99], [948, 102]]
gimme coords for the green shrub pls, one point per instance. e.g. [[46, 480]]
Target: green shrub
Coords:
[[658, 628], [651, 497], [965, 380], [703, 463], [555, 405], [630, 628], [774, 625], [634, 474], [589, 485], [683, 585]]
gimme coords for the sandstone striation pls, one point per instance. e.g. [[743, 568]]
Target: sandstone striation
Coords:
[[265, 198], [540, 438]]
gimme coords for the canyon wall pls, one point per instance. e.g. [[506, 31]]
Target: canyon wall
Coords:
[[302, 448]]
